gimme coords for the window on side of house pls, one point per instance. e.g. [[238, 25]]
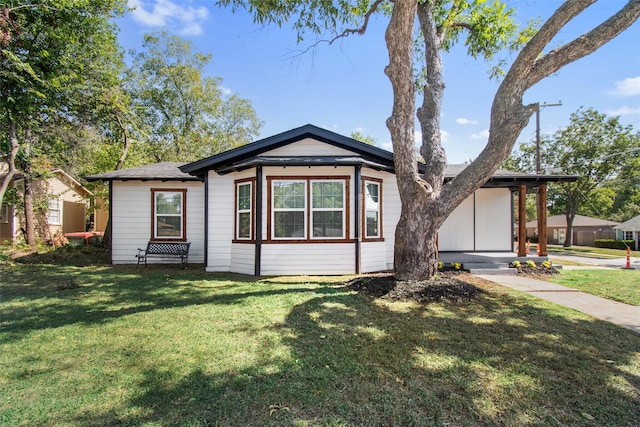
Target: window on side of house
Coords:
[[54, 215], [289, 209], [327, 209], [168, 214], [628, 235], [244, 210], [372, 212], [4, 214]]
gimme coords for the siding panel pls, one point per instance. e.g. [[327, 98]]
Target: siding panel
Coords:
[[493, 219], [131, 212], [456, 234]]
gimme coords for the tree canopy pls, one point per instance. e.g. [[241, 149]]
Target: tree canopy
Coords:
[[183, 114]]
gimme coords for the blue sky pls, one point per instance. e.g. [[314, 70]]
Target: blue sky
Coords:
[[343, 88]]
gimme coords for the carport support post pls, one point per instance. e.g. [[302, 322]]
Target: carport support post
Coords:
[[542, 220], [522, 220]]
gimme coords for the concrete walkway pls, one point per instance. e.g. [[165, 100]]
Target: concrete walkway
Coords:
[[615, 312]]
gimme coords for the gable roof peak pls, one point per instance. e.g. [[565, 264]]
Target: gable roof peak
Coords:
[[256, 148]]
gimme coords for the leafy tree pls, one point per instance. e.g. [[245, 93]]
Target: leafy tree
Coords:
[[589, 147], [51, 55], [367, 139], [184, 114], [487, 28]]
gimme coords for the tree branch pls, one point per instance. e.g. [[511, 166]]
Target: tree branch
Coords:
[[585, 44], [349, 31]]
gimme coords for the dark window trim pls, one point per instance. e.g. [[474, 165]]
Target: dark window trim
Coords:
[[184, 214], [364, 210], [308, 179], [236, 183]]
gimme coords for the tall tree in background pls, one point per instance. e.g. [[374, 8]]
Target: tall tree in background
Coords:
[[598, 149], [50, 56], [592, 147], [185, 115], [486, 28]]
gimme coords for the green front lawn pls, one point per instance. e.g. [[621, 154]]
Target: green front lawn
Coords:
[[617, 285], [91, 346]]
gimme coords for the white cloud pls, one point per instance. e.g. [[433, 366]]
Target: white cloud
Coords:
[[624, 111], [464, 121], [444, 136], [627, 87], [185, 20], [481, 135], [417, 138], [387, 146], [226, 91]]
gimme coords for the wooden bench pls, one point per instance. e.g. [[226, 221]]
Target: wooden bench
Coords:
[[165, 249]]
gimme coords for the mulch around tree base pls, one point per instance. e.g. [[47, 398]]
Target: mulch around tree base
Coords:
[[445, 287]]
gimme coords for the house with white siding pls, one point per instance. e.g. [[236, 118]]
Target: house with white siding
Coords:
[[629, 230], [306, 201], [68, 203]]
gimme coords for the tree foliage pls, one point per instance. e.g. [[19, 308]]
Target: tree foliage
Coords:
[[183, 114], [54, 58], [600, 151]]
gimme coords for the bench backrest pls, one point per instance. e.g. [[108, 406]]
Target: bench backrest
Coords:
[[160, 248]]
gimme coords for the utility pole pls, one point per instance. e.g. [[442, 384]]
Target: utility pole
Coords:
[[538, 107], [541, 195]]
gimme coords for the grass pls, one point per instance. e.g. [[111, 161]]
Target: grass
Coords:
[[617, 285], [109, 345]]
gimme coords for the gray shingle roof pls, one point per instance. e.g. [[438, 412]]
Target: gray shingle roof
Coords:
[[632, 225], [163, 171]]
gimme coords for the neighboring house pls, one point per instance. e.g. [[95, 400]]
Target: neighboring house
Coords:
[[629, 230], [306, 201], [585, 230], [68, 202]]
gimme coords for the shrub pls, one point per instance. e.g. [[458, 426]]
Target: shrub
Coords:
[[531, 263], [546, 264], [456, 265], [615, 244], [440, 265], [515, 264]]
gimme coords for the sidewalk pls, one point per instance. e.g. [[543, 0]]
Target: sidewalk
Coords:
[[618, 313]]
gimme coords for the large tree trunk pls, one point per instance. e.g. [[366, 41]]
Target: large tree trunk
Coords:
[[415, 245], [568, 239]]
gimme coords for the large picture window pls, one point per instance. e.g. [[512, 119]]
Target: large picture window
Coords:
[[372, 212], [244, 210], [308, 208], [169, 214]]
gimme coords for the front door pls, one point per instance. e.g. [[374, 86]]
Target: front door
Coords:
[[561, 236]]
